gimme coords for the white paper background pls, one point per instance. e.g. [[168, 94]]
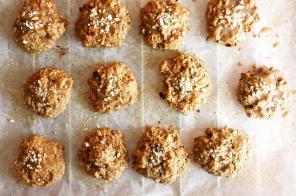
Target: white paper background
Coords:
[[270, 171]]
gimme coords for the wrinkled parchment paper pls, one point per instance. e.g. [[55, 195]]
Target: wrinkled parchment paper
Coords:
[[270, 171]]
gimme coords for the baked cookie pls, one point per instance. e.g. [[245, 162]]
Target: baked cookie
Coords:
[[48, 91], [222, 152], [38, 26], [263, 92], [40, 162], [186, 81], [103, 154], [112, 87], [160, 155], [227, 21], [164, 24], [103, 23]]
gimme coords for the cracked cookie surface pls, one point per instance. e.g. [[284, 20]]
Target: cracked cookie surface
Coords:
[[103, 23], [40, 162], [227, 21], [186, 82], [38, 26], [48, 92], [263, 91], [222, 152], [164, 24], [160, 155], [112, 87], [103, 154]]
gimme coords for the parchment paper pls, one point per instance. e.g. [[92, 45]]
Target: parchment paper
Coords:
[[270, 171]]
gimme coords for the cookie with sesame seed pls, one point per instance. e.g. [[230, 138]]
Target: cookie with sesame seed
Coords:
[[227, 21], [103, 23], [160, 155], [112, 87], [164, 24], [48, 91], [222, 152], [38, 26], [103, 154], [186, 82], [263, 92], [40, 162]]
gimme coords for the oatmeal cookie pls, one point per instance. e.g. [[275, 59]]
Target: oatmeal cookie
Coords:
[[222, 152], [164, 24], [103, 23], [48, 91], [112, 87], [103, 154], [160, 155], [38, 26], [187, 84], [40, 162], [228, 20], [263, 92]]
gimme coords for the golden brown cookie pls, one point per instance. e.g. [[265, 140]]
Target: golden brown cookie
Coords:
[[48, 91], [263, 92], [227, 21], [160, 155], [103, 154], [40, 162], [103, 23], [38, 26], [112, 87], [187, 84], [222, 152], [164, 24]]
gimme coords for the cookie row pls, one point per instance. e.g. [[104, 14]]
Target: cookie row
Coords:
[[160, 155], [262, 91], [105, 24]]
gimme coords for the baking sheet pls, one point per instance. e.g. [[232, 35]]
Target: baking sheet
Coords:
[[271, 169]]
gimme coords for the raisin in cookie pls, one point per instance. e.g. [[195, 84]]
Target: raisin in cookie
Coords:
[[160, 155], [263, 92], [164, 23], [221, 152], [103, 23], [48, 91], [103, 154], [38, 26], [228, 20], [112, 87], [40, 162], [187, 84]]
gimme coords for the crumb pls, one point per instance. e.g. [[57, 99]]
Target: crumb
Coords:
[[240, 64], [276, 44], [161, 95], [62, 51]]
